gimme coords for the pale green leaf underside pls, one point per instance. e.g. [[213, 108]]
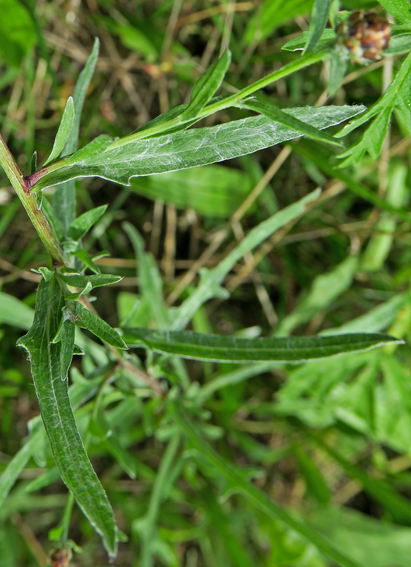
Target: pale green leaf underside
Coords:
[[66, 126], [232, 349], [190, 148], [52, 392]]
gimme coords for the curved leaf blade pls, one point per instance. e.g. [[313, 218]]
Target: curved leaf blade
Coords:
[[217, 348], [190, 148], [52, 392]]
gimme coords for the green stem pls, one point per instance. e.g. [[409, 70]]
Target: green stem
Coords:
[[236, 98], [36, 215]]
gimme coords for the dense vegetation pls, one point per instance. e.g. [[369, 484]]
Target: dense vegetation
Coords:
[[198, 176]]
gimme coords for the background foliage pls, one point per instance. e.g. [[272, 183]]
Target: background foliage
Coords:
[[326, 444]]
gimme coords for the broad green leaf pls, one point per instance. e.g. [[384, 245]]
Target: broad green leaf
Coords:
[[277, 115], [400, 9], [373, 137], [64, 199], [82, 224], [85, 319], [14, 312], [207, 85], [210, 281], [235, 480], [191, 148], [351, 183], [298, 43], [52, 392], [324, 290], [200, 346], [318, 22], [17, 32], [65, 127], [97, 280], [213, 191], [272, 14], [17, 464]]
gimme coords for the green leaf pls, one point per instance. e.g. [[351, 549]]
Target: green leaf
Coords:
[[87, 261], [191, 148], [213, 191], [210, 281], [318, 22], [52, 392], [338, 68], [97, 280], [14, 312], [200, 346], [17, 32], [400, 9], [235, 480], [85, 319], [399, 44], [283, 117], [207, 85], [66, 336], [314, 480], [66, 125], [373, 137], [272, 14], [64, 199], [356, 187], [82, 224], [17, 464], [298, 43]]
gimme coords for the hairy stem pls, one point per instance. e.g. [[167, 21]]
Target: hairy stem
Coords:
[[36, 215]]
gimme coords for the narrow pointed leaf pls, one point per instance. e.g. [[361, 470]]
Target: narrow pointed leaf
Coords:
[[97, 280], [232, 349], [66, 125], [66, 338], [64, 199], [82, 224], [277, 115], [52, 392], [318, 22], [85, 319], [200, 146], [207, 85]]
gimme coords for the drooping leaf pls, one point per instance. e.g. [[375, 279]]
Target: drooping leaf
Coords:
[[82, 224], [64, 199], [318, 22], [207, 85], [183, 150], [63, 132], [85, 319], [200, 346], [52, 392], [277, 115]]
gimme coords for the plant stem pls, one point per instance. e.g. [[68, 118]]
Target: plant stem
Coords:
[[29, 201], [234, 99]]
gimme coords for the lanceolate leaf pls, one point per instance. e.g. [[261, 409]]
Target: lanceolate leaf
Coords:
[[66, 125], [85, 319], [82, 224], [52, 392], [182, 150], [232, 349], [318, 21], [64, 199], [207, 85]]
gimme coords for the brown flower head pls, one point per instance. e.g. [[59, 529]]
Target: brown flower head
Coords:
[[365, 35]]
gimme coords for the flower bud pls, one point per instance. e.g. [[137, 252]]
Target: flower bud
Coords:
[[365, 35]]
